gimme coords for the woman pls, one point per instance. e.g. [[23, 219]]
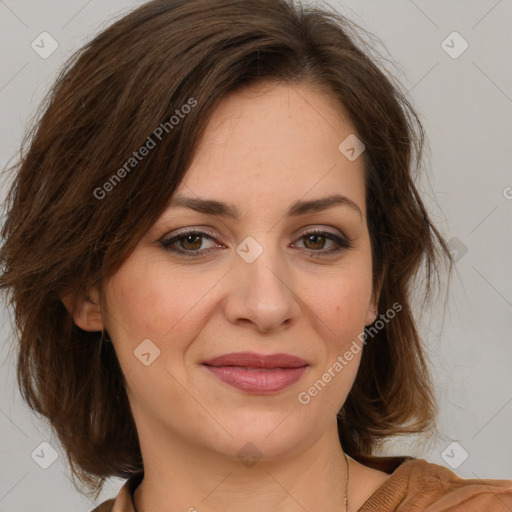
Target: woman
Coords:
[[210, 245]]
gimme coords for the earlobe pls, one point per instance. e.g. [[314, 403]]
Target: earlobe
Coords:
[[371, 315], [88, 310]]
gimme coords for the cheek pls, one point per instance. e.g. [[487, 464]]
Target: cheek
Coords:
[[341, 306], [153, 299], [340, 300]]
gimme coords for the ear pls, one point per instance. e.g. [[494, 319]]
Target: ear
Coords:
[[88, 311], [372, 312]]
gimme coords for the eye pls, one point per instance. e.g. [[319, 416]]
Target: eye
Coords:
[[190, 243], [315, 240]]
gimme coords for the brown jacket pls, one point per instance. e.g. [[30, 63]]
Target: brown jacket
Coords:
[[414, 485]]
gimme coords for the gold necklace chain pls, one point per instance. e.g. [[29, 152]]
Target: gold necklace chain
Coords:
[[346, 485]]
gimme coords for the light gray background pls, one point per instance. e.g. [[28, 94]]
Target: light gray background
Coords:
[[466, 107]]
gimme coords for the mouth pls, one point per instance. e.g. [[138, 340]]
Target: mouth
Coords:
[[257, 373]]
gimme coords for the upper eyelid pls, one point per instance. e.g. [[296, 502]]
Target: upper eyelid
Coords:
[[193, 231], [213, 236]]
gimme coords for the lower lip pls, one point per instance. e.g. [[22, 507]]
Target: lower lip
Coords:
[[262, 381]]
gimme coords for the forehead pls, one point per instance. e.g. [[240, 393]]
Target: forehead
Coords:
[[275, 142]]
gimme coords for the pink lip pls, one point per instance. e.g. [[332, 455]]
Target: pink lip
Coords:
[[257, 373], [254, 360]]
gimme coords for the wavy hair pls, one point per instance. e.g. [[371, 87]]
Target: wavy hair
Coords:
[[108, 98]]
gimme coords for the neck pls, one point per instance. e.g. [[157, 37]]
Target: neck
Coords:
[[190, 478]]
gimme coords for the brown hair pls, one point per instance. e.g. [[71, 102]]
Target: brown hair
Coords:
[[109, 98]]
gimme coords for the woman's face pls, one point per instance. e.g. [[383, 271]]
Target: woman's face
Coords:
[[260, 283]]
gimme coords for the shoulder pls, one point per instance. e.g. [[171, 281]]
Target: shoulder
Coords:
[[106, 506], [123, 502], [417, 484]]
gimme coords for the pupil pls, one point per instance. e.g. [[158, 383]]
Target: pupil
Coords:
[[188, 239], [315, 237]]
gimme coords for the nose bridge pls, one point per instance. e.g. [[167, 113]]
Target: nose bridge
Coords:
[[263, 291]]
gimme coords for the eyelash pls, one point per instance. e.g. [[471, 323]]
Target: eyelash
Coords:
[[342, 243]]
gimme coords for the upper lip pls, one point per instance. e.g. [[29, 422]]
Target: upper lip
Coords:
[[254, 360]]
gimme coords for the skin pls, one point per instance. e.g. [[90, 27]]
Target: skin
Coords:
[[265, 147]]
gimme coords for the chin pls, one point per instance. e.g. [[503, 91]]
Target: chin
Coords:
[[256, 435]]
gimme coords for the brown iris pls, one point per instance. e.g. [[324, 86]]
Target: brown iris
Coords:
[[317, 237], [192, 245]]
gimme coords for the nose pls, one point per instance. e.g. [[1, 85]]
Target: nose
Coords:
[[262, 293]]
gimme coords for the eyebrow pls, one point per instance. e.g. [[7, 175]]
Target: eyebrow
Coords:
[[301, 207]]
